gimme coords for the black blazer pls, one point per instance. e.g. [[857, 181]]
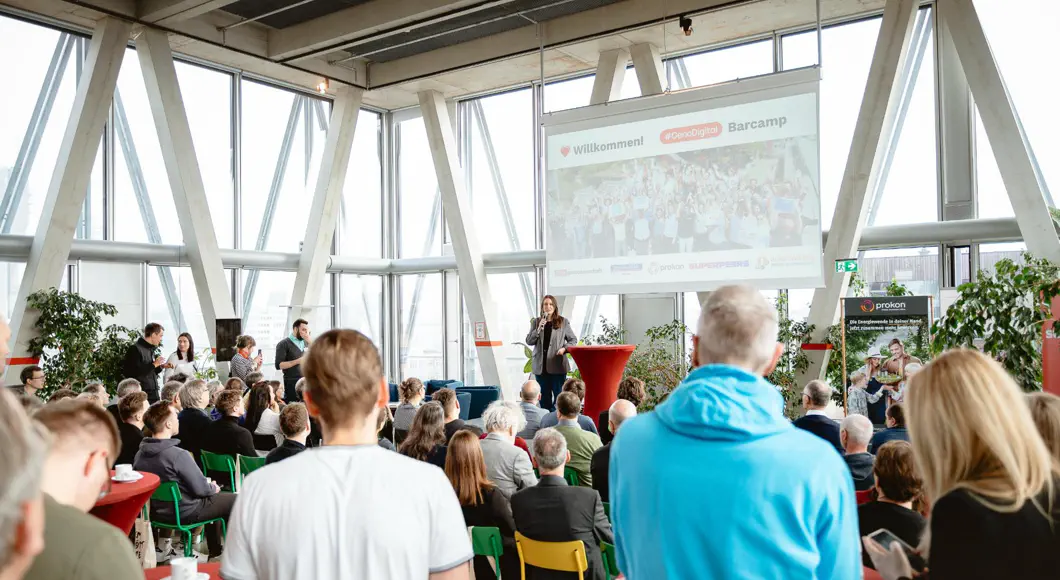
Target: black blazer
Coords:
[[606, 436], [552, 511], [288, 449], [228, 437], [598, 467], [131, 436], [194, 428], [822, 427], [139, 364]]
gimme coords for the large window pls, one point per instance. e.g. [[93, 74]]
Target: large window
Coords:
[[361, 214], [266, 320], [361, 305], [422, 332], [118, 284], [726, 64], [513, 315], [419, 202], [173, 301]]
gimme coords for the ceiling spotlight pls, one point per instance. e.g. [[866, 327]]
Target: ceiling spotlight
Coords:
[[686, 25], [322, 86]]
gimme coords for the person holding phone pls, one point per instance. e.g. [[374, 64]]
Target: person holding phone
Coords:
[[897, 485], [242, 365], [550, 335]]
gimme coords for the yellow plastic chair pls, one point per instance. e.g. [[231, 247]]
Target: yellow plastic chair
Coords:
[[558, 556]]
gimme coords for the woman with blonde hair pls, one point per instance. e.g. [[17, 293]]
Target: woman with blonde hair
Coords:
[[1045, 409], [985, 468], [480, 500], [411, 392]]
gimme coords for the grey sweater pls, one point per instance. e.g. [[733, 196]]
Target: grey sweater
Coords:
[[163, 458]]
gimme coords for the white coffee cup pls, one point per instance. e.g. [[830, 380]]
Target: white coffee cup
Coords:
[[123, 471], [183, 568]]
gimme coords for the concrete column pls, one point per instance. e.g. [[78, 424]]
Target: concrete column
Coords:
[[185, 179], [874, 127], [69, 183], [610, 72], [459, 217], [1015, 160], [651, 74], [324, 213]]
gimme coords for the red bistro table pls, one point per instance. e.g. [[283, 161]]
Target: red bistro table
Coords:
[[213, 569], [125, 500], [601, 368]]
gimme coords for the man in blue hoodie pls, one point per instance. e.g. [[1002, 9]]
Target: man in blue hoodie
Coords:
[[717, 483]]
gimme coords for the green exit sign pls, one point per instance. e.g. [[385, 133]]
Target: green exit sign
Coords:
[[846, 266]]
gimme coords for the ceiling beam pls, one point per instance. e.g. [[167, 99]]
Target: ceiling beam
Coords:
[[328, 32], [171, 11]]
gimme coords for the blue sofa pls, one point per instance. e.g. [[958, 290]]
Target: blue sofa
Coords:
[[481, 397]]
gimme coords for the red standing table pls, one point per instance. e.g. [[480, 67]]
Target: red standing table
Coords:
[[601, 368], [125, 500]]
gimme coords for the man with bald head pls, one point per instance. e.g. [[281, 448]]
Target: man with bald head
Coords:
[[695, 471], [620, 411], [530, 403]]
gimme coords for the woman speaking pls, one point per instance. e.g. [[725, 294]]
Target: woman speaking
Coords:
[[550, 336]]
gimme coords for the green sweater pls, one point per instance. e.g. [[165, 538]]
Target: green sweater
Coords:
[[79, 546], [581, 444]]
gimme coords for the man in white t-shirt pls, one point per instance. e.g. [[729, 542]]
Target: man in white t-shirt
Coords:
[[350, 509]]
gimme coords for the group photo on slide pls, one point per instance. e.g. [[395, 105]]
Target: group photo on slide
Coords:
[[752, 195]]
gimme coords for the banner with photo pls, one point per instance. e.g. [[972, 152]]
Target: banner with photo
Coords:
[[885, 342]]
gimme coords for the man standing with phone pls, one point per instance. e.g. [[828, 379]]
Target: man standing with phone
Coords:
[[289, 354], [143, 363]]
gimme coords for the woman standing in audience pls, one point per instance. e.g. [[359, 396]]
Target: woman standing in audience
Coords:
[[426, 440], [897, 487], [183, 359], [242, 363], [481, 502], [550, 335], [261, 418], [1045, 409], [411, 392], [990, 475]]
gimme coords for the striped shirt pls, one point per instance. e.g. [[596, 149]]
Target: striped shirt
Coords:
[[241, 367]]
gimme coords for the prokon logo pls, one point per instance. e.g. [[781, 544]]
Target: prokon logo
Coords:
[[601, 147], [690, 133], [871, 306]]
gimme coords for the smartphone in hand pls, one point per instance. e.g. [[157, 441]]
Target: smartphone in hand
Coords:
[[886, 538]]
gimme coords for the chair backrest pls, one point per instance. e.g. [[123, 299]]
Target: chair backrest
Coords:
[[863, 496], [464, 400], [607, 510], [486, 541], [168, 492], [481, 397], [559, 556], [248, 464], [607, 551], [394, 395], [571, 476], [219, 462]]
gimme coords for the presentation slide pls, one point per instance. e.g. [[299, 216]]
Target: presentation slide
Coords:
[[687, 197]]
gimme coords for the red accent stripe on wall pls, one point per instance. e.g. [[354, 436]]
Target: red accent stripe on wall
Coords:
[[24, 360], [816, 346], [488, 343]]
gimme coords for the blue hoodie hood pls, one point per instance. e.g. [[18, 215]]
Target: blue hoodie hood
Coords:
[[721, 402]]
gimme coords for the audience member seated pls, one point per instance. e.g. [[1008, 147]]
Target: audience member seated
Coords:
[[577, 387], [262, 418], [453, 423], [895, 430], [131, 429], [815, 398], [294, 422], [125, 387], [352, 506], [30, 404], [530, 403], [600, 465], [382, 418], [179, 378], [62, 395], [253, 378], [990, 475], [235, 384], [629, 389], [98, 393], [482, 503], [694, 467], [76, 544], [580, 443], [201, 498], [854, 433], [553, 511], [215, 388], [1045, 409], [426, 439], [194, 422], [315, 438], [226, 436], [897, 487], [171, 393], [411, 392], [22, 510], [31, 379], [277, 395], [507, 466]]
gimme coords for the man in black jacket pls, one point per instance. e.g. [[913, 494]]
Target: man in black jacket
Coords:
[[289, 355], [552, 511], [143, 362], [194, 422], [226, 436], [815, 398]]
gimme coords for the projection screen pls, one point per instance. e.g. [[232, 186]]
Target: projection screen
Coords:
[[687, 191]]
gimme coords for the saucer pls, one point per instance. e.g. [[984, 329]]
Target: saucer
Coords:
[[136, 476], [198, 576]]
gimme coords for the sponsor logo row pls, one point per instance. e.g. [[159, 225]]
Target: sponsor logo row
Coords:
[[676, 135]]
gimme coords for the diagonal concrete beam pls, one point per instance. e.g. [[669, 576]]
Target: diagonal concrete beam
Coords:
[[170, 11], [875, 125], [648, 64], [73, 169], [610, 73], [185, 179]]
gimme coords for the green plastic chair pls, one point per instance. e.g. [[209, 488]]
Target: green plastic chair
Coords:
[[249, 464], [607, 511], [571, 476], [610, 560], [169, 492], [222, 463], [486, 541]]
